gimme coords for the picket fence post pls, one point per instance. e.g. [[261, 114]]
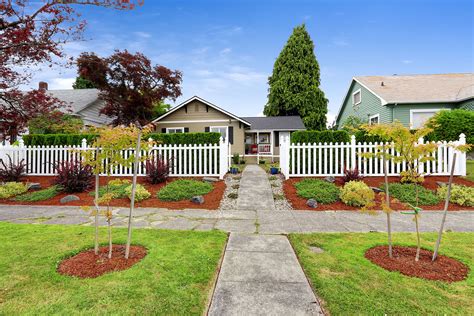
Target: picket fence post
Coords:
[[460, 167], [353, 153], [420, 166], [284, 156], [223, 153], [21, 151]]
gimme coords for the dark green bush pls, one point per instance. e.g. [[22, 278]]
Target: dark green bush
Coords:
[[184, 189], [320, 137], [57, 139], [448, 125], [186, 138], [40, 195], [322, 191], [406, 193]]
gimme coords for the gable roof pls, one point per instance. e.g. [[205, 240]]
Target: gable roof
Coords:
[[281, 123], [79, 99], [196, 98], [420, 88]]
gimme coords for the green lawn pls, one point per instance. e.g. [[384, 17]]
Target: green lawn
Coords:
[[470, 170], [349, 284], [174, 278]]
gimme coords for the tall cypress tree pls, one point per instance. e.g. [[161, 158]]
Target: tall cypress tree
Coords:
[[294, 83]]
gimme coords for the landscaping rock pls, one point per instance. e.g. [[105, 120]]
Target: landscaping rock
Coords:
[[69, 198], [330, 179], [312, 203], [376, 190], [207, 179], [199, 199], [34, 186], [441, 184], [316, 249]]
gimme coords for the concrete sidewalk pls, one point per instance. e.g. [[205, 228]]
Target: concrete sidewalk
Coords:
[[255, 192], [260, 275], [244, 221]]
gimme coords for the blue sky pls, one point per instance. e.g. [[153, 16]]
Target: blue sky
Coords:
[[226, 49]]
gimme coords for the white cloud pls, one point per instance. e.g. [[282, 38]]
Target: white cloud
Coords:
[[61, 83], [340, 42], [142, 34], [330, 117], [225, 51], [407, 61]]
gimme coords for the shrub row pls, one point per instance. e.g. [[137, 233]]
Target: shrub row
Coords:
[[448, 125], [76, 139], [320, 137]]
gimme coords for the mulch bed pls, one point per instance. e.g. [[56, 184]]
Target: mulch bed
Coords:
[[299, 203], [442, 269], [211, 200], [87, 264]]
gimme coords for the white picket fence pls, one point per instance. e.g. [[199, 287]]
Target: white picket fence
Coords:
[[208, 160], [310, 160]]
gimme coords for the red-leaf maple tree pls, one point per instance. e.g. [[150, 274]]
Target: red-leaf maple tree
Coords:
[[33, 34], [129, 84]]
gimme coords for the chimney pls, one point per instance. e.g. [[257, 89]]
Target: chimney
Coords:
[[43, 85], [382, 84]]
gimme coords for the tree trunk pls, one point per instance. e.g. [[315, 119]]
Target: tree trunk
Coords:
[[387, 201], [418, 244], [96, 219], [446, 204], [132, 202]]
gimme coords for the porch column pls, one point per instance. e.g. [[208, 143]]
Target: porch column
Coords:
[[271, 145], [258, 149]]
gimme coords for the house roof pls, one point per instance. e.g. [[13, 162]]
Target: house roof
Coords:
[[420, 88], [194, 98], [79, 99], [290, 123]]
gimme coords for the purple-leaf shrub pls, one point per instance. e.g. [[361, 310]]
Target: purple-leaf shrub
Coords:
[[12, 172], [157, 169], [73, 176]]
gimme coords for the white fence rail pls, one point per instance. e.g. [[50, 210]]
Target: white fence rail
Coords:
[[310, 160], [185, 160]]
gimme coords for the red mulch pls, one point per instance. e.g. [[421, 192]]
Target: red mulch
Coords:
[[212, 200], [88, 265], [442, 269], [299, 203]]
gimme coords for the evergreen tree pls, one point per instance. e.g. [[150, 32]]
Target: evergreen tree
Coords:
[[82, 83], [294, 83]]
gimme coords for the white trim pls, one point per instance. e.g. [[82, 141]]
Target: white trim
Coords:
[[206, 103], [175, 128], [371, 91], [360, 99], [374, 116], [226, 131], [196, 121], [422, 111], [273, 130]]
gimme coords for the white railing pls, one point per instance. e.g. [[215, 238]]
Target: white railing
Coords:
[[306, 160], [184, 160], [264, 148]]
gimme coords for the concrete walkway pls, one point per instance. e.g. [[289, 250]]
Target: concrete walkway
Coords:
[[255, 192], [261, 275], [243, 221]]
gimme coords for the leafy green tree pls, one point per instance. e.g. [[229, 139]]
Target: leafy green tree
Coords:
[[294, 83], [82, 83], [55, 122], [159, 109]]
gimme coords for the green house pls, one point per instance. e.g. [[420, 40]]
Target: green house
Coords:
[[410, 99]]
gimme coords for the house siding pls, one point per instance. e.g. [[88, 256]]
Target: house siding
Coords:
[[197, 111], [370, 105], [401, 113]]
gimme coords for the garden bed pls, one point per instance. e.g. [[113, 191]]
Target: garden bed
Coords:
[[87, 264], [430, 183], [211, 200]]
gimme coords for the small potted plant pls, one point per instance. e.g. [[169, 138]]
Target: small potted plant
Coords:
[[274, 169], [234, 169]]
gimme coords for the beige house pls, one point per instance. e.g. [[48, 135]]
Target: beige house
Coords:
[[251, 137]]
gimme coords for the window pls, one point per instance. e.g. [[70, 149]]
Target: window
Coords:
[[356, 97], [374, 119], [174, 130], [219, 129], [264, 138], [419, 117]]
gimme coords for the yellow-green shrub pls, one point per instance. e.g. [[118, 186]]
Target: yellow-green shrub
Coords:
[[10, 189], [140, 193], [460, 194], [356, 193]]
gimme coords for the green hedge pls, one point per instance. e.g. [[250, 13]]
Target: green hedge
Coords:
[[57, 139], [186, 138], [320, 137], [76, 139], [448, 125]]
